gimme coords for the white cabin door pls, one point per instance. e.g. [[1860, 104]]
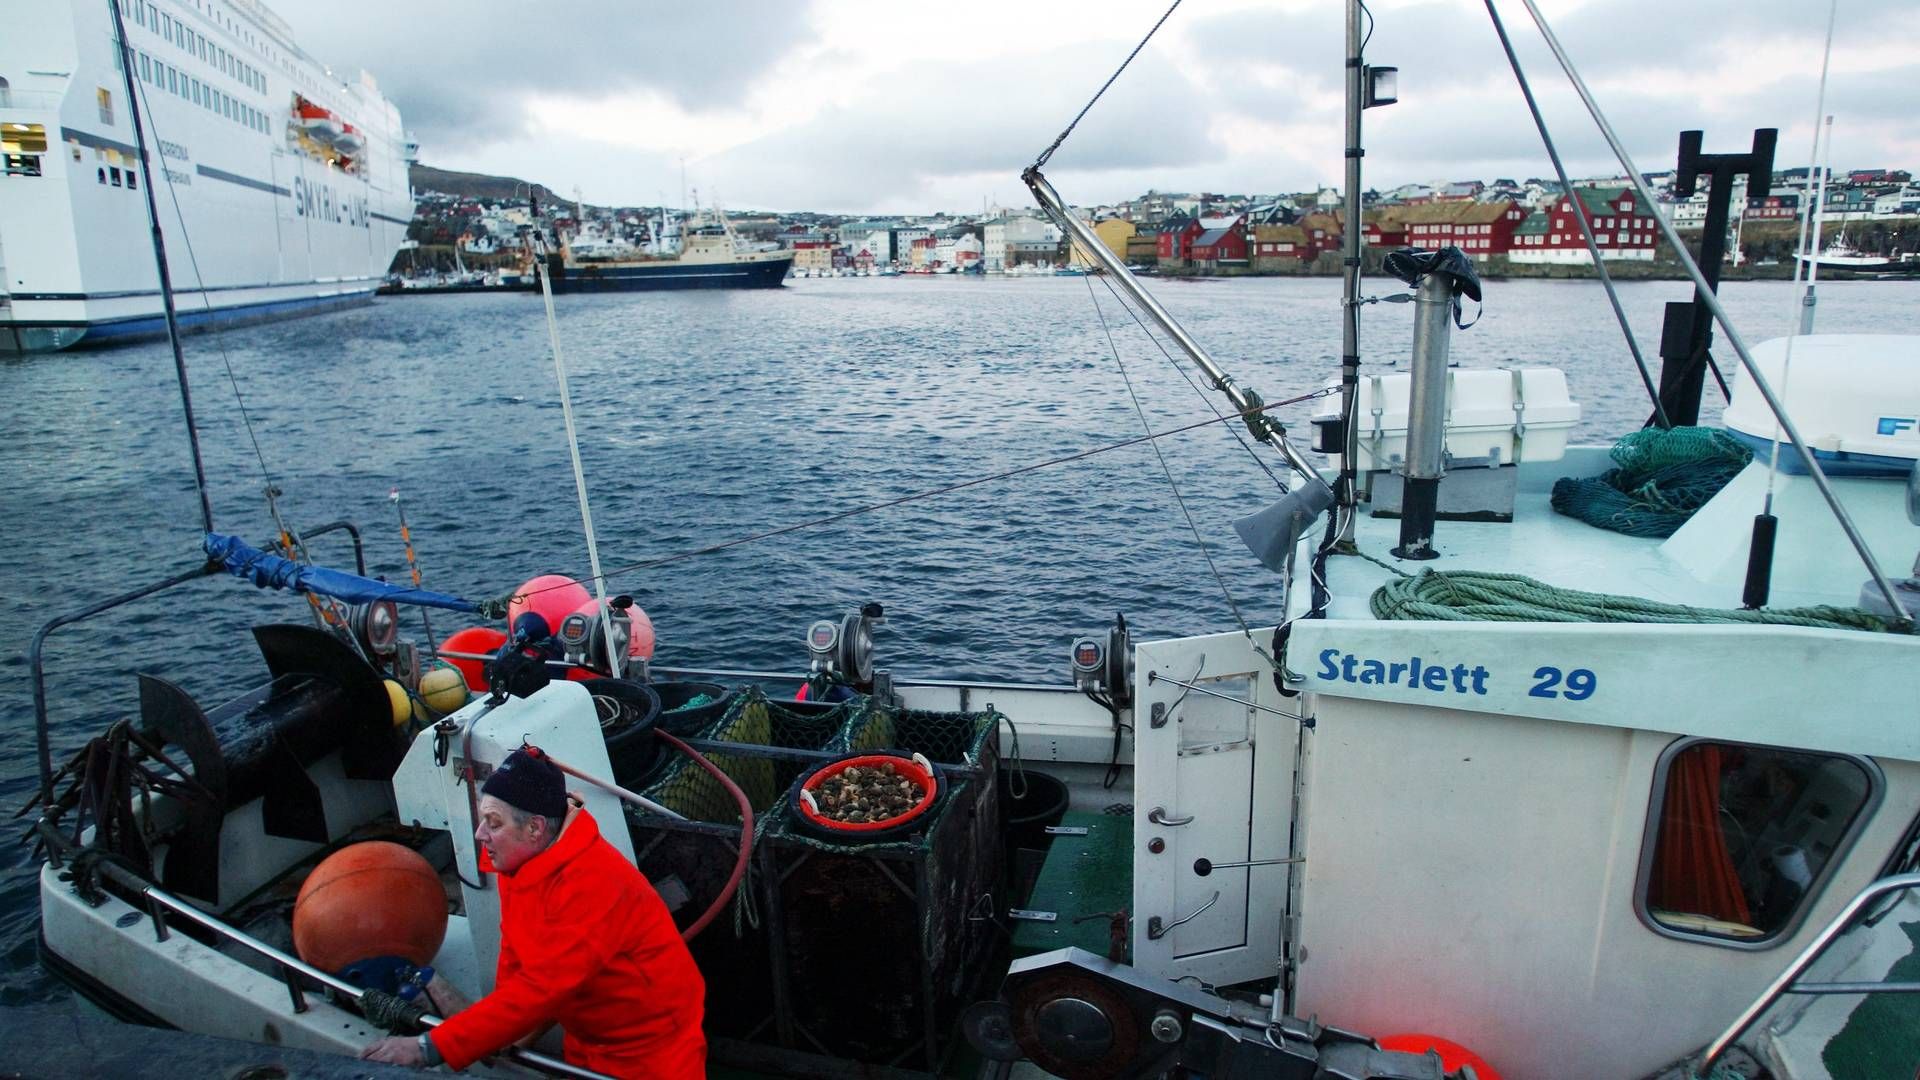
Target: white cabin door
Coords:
[[1213, 780]]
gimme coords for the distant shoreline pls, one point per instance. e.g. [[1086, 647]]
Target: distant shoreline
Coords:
[[1503, 270]]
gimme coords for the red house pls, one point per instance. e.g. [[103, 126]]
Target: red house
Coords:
[[1175, 243], [1622, 228], [1226, 245], [1324, 232]]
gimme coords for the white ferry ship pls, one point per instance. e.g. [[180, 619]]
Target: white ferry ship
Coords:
[[281, 188]]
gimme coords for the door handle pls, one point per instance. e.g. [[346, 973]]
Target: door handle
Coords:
[[1203, 867], [1158, 815], [1156, 931]]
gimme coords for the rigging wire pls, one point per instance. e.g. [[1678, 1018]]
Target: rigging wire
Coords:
[[1580, 216], [945, 489], [206, 302], [1141, 410], [1188, 379], [1062, 137], [1801, 244]]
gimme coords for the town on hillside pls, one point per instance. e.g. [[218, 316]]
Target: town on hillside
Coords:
[[1514, 227]]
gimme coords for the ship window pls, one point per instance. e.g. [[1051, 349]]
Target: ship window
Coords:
[[173, 84], [1740, 838], [133, 180], [146, 67], [101, 173], [105, 99], [114, 171], [166, 29], [153, 17]]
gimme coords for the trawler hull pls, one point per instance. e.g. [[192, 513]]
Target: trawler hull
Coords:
[[638, 277]]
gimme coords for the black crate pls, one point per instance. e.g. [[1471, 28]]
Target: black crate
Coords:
[[877, 947], [775, 740]]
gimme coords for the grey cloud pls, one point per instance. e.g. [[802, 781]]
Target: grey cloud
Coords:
[[898, 142], [461, 74]]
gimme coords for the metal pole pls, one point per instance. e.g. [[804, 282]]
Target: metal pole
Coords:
[[127, 63], [1350, 240], [1706, 296], [1426, 417], [1117, 272], [617, 791], [182, 909], [1808, 955]]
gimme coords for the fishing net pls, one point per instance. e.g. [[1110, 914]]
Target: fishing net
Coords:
[[756, 720], [1660, 477]]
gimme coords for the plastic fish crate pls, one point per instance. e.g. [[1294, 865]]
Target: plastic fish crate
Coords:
[[877, 946]]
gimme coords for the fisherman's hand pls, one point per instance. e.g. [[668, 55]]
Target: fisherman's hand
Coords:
[[396, 1050]]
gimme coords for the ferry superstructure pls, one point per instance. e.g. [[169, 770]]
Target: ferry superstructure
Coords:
[[282, 189]]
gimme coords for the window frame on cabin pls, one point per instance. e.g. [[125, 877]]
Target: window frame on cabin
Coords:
[[1848, 837]]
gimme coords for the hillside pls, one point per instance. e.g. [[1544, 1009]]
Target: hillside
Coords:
[[474, 185]]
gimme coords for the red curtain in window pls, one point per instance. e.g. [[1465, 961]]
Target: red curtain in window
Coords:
[[1693, 871]]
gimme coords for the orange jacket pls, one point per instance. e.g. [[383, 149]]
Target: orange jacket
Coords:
[[586, 942]]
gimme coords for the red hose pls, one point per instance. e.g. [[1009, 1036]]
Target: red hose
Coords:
[[746, 835]]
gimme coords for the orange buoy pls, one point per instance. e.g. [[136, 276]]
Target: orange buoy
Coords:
[[369, 900], [478, 640], [1452, 1054]]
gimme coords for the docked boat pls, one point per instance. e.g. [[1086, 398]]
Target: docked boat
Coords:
[[1540, 775], [244, 128], [702, 253], [1841, 255]]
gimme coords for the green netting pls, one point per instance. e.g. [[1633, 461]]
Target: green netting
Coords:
[[1660, 478], [1467, 595], [752, 719], [944, 737]]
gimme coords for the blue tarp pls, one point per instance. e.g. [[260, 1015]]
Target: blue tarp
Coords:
[[245, 561]]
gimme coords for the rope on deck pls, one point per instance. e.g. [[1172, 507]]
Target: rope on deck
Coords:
[[1469, 596]]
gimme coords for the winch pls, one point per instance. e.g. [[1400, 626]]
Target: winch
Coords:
[[840, 654], [1082, 1016]]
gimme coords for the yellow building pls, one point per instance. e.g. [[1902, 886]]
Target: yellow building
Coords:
[[1114, 232]]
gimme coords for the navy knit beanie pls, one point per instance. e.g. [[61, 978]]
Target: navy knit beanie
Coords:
[[529, 781]]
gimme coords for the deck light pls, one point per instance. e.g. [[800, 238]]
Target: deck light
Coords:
[[1383, 86]]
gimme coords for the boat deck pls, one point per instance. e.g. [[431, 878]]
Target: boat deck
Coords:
[[1703, 565]]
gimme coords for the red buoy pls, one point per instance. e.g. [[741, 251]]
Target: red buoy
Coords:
[[1452, 1054], [367, 900]]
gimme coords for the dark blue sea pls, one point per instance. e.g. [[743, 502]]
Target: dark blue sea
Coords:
[[706, 417]]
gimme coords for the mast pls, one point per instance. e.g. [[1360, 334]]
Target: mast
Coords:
[[127, 63], [1350, 239]]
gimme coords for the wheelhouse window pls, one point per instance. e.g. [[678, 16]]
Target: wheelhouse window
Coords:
[[1740, 838]]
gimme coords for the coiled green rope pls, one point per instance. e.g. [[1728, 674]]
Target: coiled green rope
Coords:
[[1469, 596]]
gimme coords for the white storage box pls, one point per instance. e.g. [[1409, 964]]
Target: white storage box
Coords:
[[1855, 398], [1500, 416]]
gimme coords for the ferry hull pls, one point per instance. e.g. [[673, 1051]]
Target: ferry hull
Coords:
[[54, 334], [767, 274]]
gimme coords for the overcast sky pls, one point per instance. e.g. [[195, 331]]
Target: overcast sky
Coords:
[[887, 106]]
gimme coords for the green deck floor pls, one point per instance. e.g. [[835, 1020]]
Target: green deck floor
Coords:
[[1084, 877]]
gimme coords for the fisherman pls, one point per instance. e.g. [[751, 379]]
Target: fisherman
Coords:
[[585, 942]]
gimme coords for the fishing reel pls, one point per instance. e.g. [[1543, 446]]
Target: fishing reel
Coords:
[[582, 637], [841, 653], [1104, 666]]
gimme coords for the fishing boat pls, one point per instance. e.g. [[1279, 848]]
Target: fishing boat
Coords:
[[1841, 255], [1538, 777], [704, 253]]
